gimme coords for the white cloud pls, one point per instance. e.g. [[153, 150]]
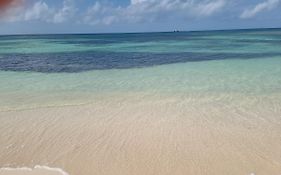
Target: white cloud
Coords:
[[68, 11], [136, 11], [37, 11], [41, 11], [100, 14], [106, 14], [152, 10], [267, 5], [210, 7]]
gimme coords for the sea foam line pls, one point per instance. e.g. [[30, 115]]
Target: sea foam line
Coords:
[[39, 167]]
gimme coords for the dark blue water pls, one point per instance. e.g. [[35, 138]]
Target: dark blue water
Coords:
[[77, 53]]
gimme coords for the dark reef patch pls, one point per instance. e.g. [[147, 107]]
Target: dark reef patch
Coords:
[[85, 61]]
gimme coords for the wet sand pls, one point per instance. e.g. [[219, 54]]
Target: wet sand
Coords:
[[37, 170], [131, 135]]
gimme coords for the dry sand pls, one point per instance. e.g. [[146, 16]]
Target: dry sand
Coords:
[[212, 135]]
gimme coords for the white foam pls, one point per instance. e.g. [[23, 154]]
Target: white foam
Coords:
[[37, 167], [15, 169]]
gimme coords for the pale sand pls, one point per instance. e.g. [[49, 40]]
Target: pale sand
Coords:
[[212, 135]]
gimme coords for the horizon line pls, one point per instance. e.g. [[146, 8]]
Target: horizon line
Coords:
[[170, 31]]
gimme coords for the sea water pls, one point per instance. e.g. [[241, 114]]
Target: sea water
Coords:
[[46, 70]]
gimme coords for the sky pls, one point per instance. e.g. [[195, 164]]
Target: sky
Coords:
[[103, 16]]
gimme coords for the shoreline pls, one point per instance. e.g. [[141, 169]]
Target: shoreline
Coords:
[[74, 101]]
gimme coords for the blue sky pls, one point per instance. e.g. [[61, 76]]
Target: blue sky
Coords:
[[91, 16]]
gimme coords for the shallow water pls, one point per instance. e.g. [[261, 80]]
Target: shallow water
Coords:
[[256, 77]]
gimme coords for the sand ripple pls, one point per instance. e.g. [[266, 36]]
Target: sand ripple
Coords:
[[136, 136]]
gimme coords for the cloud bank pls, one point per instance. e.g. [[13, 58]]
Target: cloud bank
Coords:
[[101, 13], [41, 11], [137, 11], [152, 10]]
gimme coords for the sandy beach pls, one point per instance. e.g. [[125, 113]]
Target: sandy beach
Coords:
[[180, 103], [214, 135]]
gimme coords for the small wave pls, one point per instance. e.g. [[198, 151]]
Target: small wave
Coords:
[[37, 170]]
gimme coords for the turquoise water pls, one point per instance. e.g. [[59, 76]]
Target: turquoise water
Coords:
[[74, 69]]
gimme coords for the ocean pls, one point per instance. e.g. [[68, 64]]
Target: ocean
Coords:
[[43, 69]]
